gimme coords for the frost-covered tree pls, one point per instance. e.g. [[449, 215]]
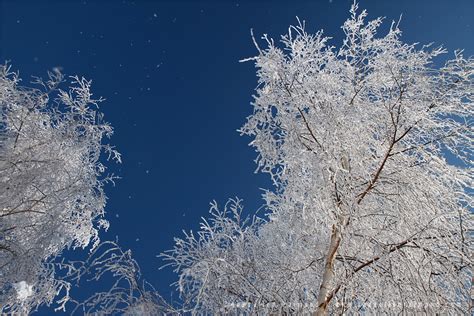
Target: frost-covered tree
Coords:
[[369, 147], [51, 184], [128, 294]]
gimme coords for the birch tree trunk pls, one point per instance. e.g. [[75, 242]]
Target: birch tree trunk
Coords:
[[324, 296]]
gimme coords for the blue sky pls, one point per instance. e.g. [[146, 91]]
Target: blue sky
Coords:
[[176, 93]]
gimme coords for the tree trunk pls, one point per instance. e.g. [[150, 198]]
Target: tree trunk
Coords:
[[325, 289]]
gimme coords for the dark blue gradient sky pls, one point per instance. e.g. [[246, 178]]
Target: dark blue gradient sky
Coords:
[[176, 92]]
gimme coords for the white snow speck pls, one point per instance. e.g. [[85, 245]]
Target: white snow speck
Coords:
[[23, 290]]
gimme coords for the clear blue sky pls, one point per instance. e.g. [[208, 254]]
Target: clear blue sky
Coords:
[[176, 93]]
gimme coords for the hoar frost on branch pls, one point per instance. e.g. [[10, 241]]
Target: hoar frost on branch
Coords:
[[51, 184], [129, 294], [370, 150]]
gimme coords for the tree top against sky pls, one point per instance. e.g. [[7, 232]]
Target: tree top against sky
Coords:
[[322, 114]]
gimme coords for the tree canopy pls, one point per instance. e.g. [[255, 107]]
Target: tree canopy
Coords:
[[51, 183], [369, 147]]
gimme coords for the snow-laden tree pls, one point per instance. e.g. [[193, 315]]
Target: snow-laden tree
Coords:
[[128, 294], [51, 184], [369, 147]]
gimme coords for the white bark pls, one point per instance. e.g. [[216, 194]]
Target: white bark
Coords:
[[326, 287]]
